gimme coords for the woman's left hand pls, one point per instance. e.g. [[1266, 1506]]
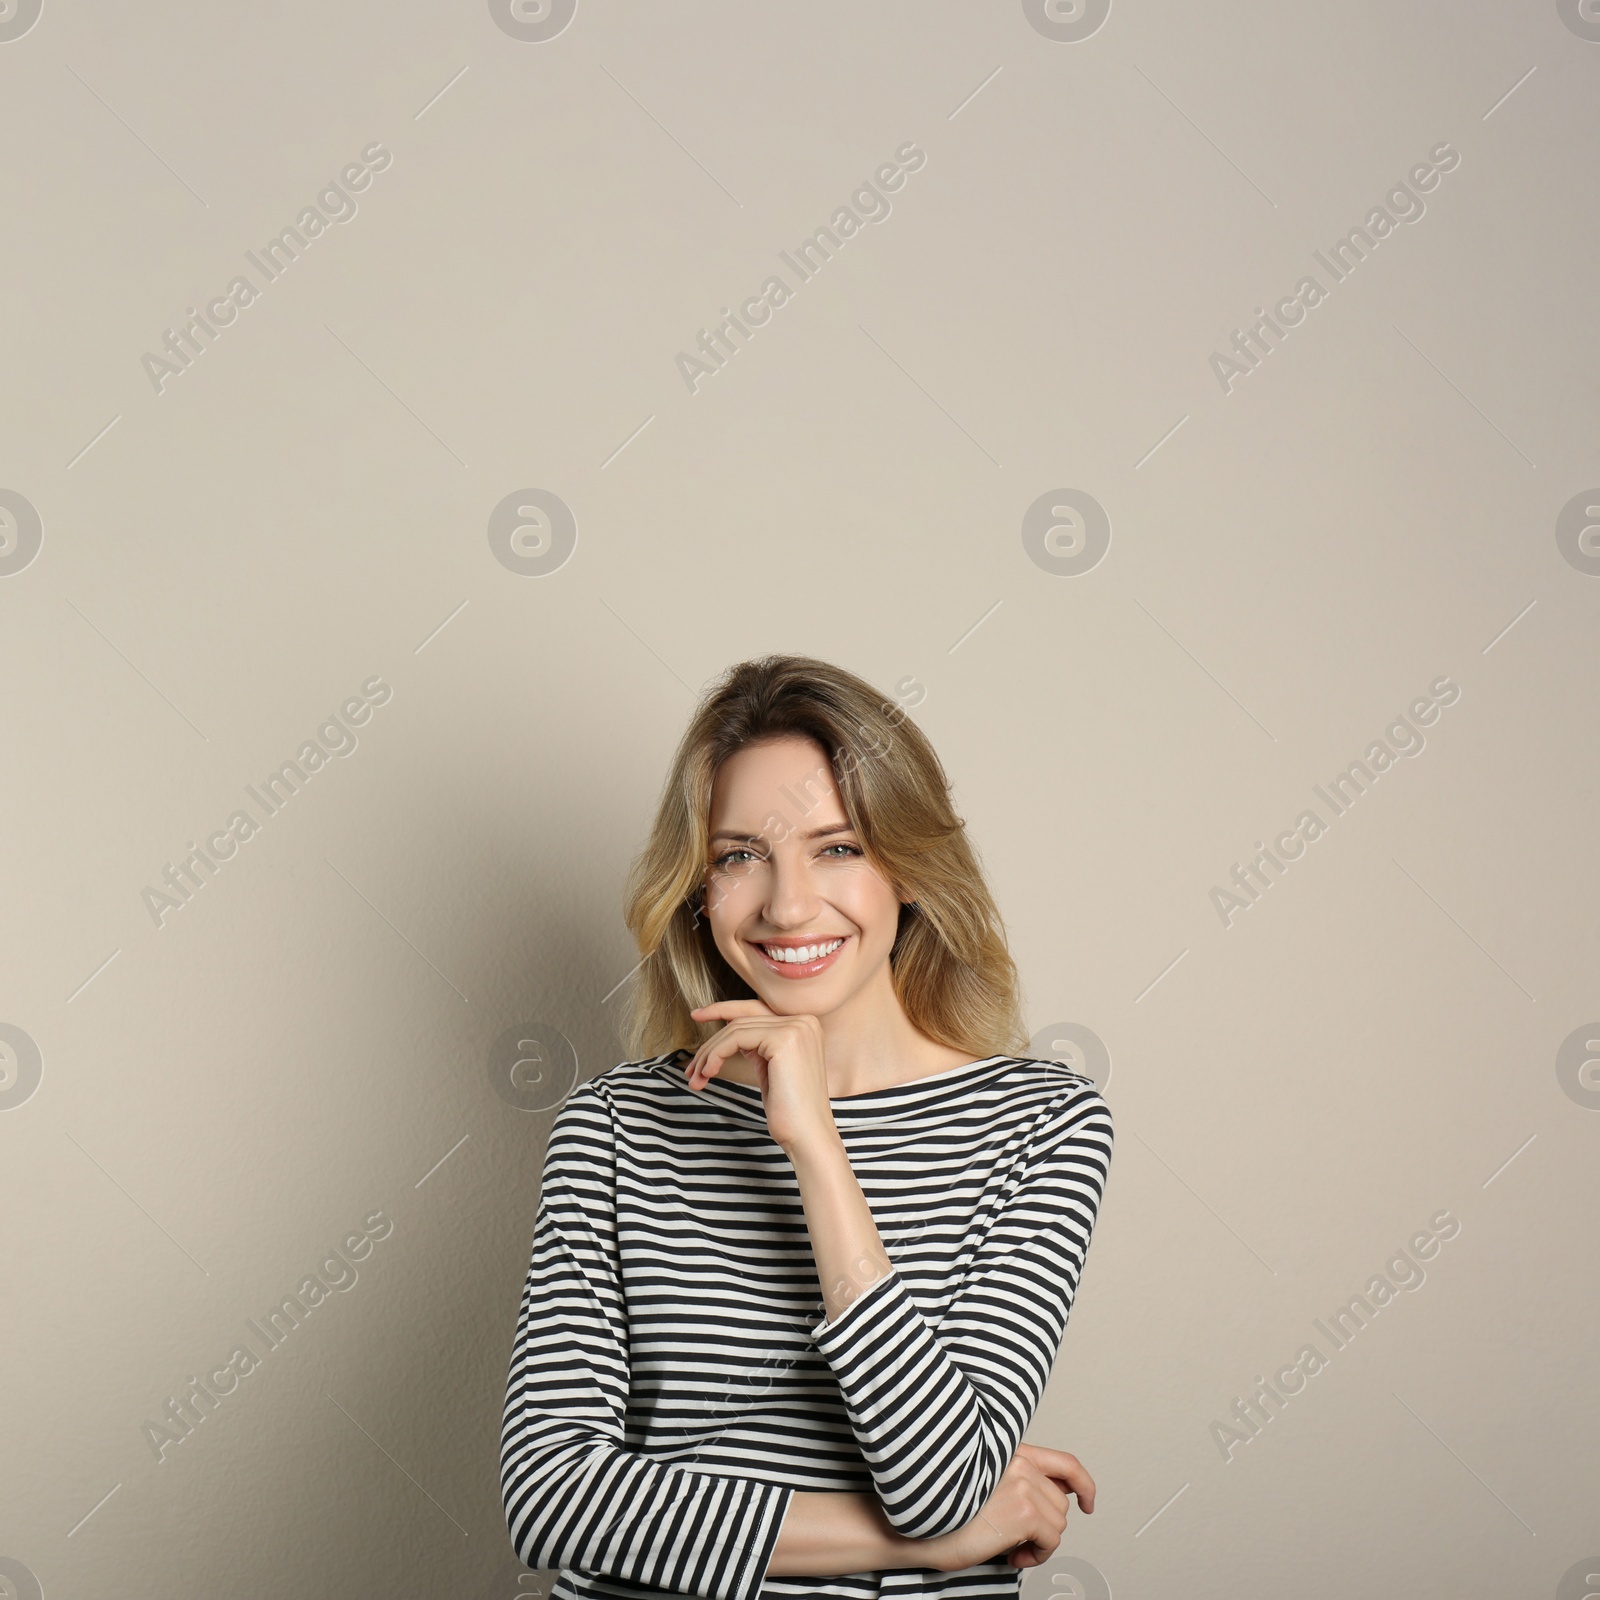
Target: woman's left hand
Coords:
[[788, 1057]]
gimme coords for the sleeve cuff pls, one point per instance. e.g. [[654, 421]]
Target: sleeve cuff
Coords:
[[774, 1508], [871, 1306], [715, 1541]]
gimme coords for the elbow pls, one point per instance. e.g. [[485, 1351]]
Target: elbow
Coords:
[[535, 1538], [946, 1507], [530, 1538], [534, 1554], [927, 1525], [930, 1522], [545, 1465], [527, 1487]]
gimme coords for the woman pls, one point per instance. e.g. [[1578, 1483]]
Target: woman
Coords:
[[799, 1277]]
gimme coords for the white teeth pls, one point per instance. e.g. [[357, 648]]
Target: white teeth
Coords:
[[810, 952]]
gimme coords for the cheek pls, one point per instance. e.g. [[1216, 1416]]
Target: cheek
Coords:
[[871, 904], [730, 903]]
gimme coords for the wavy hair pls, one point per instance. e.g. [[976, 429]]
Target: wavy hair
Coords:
[[951, 965]]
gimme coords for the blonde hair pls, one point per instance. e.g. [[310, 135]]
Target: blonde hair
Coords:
[[952, 969]]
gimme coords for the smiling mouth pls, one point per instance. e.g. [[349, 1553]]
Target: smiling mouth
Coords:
[[801, 961]]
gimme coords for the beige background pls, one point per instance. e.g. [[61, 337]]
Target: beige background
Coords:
[[311, 1038]]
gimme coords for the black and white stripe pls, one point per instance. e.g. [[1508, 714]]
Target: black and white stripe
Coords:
[[673, 1379]]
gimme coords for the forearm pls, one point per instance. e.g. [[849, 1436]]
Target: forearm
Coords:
[[927, 1437], [844, 1237], [827, 1534], [938, 1404]]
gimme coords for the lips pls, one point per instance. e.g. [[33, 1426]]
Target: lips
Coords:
[[801, 961]]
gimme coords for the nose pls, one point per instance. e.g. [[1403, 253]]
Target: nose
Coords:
[[791, 896]]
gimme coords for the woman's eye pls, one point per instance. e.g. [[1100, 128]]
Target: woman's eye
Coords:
[[730, 860]]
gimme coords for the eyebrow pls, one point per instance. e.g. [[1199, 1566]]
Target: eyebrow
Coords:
[[755, 838]]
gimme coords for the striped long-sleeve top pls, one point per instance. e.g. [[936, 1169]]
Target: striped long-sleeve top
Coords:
[[674, 1379]]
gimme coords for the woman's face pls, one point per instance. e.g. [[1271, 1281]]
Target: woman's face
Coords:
[[788, 873]]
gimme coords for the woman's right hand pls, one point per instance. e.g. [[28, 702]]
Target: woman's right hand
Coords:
[[1025, 1516]]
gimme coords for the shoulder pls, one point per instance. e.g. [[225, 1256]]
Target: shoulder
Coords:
[[1046, 1081], [1046, 1070], [1061, 1102], [628, 1084], [584, 1135]]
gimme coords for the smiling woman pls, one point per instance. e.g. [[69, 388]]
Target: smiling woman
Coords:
[[802, 1269], [786, 757]]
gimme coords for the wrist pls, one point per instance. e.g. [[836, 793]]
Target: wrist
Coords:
[[937, 1553], [818, 1149]]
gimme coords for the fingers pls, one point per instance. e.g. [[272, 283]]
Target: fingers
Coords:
[[1038, 1506], [744, 1036], [1054, 1496], [1076, 1478], [1064, 1469], [751, 1026], [1043, 1545], [706, 1061]]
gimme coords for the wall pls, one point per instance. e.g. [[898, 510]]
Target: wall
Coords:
[[458, 473]]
